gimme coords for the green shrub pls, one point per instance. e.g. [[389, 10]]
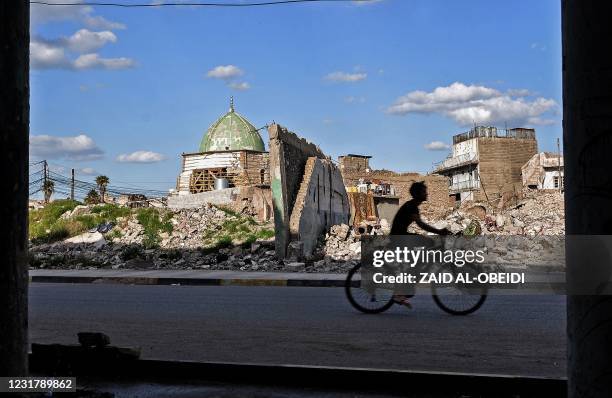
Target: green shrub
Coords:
[[43, 219], [265, 234], [45, 224], [113, 234], [153, 224], [224, 241]]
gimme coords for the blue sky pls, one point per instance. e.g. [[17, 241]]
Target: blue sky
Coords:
[[124, 92]]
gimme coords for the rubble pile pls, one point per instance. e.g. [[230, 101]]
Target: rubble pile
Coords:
[[188, 228], [341, 244], [97, 252], [205, 238], [220, 239], [539, 213]]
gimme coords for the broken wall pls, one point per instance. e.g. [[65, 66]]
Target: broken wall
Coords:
[[288, 157], [500, 163], [321, 202]]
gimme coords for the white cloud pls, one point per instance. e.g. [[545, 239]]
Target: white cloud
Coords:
[[42, 14], [80, 147], [56, 168], [471, 104], [84, 41], [98, 22], [45, 55], [239, 86], [437, 146], [345, 77], [59, 53], [141, 157], [520, 92], [88, 171], [94, 61], [225, 72]]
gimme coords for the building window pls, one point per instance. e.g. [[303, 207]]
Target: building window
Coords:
[[557, 180]]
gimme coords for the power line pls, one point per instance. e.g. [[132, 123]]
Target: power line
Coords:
[[64, 185], [195, 4]]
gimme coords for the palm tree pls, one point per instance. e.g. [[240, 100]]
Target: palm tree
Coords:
[[102, 182], [48, 187], [92, 197]]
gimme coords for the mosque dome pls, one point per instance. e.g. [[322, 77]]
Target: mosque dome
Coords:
[[232, 132]]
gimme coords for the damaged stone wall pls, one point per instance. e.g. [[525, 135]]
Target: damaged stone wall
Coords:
[[321, 202], [500, 163], [354, 163], [288, 157]]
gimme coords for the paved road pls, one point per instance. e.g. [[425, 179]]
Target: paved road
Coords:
[[310, 326]]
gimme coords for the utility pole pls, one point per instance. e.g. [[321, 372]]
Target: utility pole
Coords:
[[45, 174], [559, 164], [72, 186]]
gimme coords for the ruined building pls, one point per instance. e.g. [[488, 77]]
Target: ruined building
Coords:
[[486, 162], [231, 168], [543, 171], [388, 189]]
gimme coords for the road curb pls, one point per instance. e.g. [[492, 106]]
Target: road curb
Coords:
[[163, 281]]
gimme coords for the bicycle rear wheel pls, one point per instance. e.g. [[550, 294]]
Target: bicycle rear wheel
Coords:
[[458, 300], [366, 297]]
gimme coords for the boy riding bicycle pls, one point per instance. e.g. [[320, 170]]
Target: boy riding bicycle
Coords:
[[405, 216]]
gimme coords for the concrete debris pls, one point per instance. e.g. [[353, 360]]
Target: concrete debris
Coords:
[[539, 213], [77, 211], [341, 245], [96, 239]]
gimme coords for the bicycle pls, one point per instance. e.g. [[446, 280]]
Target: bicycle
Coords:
[[454, 299]]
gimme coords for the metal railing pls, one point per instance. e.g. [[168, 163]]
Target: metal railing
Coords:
[[465, 185], [455, 161]]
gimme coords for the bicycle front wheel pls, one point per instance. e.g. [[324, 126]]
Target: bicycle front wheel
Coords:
[[458, 300], [364, 295]]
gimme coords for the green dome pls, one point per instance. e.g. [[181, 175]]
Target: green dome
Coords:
[[231, 132]]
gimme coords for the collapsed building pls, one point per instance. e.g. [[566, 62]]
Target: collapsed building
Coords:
[[377, 194], [486, 163], [231, 168], [543, 171]]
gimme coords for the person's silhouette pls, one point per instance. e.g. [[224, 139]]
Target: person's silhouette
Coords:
[[407, 214]]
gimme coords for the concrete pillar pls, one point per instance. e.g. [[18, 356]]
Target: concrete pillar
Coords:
[[14, 128], [587, 136]]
